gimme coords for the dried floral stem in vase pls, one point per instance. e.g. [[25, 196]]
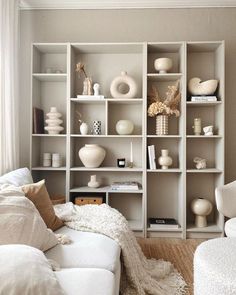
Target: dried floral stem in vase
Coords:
[[80, 69]]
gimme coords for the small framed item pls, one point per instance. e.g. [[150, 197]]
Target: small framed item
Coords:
[[121, 163], [88, 200]]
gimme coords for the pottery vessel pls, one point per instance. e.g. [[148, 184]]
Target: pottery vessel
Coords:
[[83, 128], [165, 160], [197, 87], [93, 183], [124, 127], [54, 121], [162, 124], [92, 155], [124, 78], [197, 127], [56, 160], [201, 208], [163, 65]]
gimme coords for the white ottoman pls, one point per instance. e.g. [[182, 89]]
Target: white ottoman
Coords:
[[215, 267]]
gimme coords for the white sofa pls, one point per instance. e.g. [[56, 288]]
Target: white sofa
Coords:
[[90, 265]]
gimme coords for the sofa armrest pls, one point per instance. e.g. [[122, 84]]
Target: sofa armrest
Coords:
[[226, 199]]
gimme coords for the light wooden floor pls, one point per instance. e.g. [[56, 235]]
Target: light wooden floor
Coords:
[[179, 252]]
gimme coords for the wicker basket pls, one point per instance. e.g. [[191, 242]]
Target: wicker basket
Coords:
[[58, 199], [161, 125]]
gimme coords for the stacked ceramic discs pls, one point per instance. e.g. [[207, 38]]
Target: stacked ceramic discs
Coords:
[[54, 121], [161, 125], [97, 127]]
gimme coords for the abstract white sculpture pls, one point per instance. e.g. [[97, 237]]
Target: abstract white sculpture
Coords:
[[54, 121], [197, 87], [200, 163], [201, 208], [124, 78], [208, 130]]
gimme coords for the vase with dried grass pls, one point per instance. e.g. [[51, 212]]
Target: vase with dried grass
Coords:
[[163, 108], [87, 84]]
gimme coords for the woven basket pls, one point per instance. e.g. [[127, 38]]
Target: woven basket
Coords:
[[161, 125]]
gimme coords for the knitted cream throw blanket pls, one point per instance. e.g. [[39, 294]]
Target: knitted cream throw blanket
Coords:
[[140, 276]]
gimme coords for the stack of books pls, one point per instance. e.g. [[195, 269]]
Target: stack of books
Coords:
[[125, 186], [152, 157], [163, 223], [204, 98]]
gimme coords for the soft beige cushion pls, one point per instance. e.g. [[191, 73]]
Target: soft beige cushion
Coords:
[[86, 281], [20, 223], [17, 177], [25, 270], [38, 194]]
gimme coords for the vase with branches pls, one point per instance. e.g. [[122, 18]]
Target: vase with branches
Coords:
[[87, 84], [162, 108]]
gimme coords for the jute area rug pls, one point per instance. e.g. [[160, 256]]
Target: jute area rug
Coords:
[[177, 251]]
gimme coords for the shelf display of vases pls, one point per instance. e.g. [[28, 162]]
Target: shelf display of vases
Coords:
[[92, 155], [165, 160], [54, 121], [201, 208]]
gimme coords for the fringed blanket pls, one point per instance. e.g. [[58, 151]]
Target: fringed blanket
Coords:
[[140, 276]]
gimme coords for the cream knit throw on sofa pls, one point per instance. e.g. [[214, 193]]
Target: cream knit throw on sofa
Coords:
[[140, 276]]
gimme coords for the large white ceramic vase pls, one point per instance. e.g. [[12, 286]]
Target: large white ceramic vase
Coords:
[[92, 155]]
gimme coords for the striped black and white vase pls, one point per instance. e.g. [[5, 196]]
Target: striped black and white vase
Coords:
[[97, 127]]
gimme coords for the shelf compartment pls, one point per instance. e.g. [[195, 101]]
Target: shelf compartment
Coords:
[[106, 136], [203, 103], [50, 77], [123, 111], [95, 57], [55, 180], [51, 56], [112, 152], [104, 189], [204, 136], [209, 170], [164, 136], [164, 77], [138, 169], [130, 205]]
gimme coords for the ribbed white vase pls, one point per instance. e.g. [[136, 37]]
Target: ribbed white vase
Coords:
[[161, 125]]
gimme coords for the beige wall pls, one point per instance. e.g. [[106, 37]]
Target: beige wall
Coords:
[[128, 26]]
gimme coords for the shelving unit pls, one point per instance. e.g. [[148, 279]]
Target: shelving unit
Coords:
[[164, 193]]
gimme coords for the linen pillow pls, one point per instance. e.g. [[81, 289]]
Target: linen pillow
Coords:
[[20, 223], [17, 177], [38, 194], [25, 270]]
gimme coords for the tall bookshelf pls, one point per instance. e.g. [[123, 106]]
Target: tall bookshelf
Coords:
[[163, 193]]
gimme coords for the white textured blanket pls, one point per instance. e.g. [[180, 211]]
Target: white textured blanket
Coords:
[[140, 276]]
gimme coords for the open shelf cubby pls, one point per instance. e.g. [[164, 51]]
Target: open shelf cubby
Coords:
[[164, 193]]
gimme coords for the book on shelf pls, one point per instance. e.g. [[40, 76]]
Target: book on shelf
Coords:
[[203, 98], [152, 157], [127, 186], [38, 121], [160, 223]]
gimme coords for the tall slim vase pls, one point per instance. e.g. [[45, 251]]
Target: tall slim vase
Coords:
[[162, 125]]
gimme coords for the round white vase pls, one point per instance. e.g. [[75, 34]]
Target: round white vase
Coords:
[[93, 183], [165, 160], [124, 127], [124, 78], [83, 128], [201, 208], [163, 65], [92, 155]]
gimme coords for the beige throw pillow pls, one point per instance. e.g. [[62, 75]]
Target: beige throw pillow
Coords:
[[20, 223], [38, 194], [25, 270]]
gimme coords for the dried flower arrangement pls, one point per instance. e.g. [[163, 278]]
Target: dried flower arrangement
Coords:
[[80, 69], [167, 106]]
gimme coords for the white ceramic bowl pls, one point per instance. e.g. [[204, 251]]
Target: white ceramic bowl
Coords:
[[163, 65], [197, 87]]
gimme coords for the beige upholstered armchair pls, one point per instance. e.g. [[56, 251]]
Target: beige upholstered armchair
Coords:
[[226, 204]]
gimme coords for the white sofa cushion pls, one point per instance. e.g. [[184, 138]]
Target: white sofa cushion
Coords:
[[88, 250], [20, 223], [86, 281], [25, 270], [17, 177], [230, 228]]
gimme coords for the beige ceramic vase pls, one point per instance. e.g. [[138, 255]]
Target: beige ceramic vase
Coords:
[[92, 155]]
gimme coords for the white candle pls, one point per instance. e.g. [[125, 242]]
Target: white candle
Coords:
[[131, 152]]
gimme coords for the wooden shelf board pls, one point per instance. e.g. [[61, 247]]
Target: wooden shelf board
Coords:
[[50, 77], [48, 135], [208, 170], [88, 101], [39, 168], [179, 229], [125, 100], [204, 136], [106, 136], [105, 189], [164, 77], [115, 169], [210, 228], [164, 136], [203, 103], [170, 170]]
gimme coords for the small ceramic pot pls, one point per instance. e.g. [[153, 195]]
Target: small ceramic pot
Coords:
[[165, 161], [93, 183], [163, 65], [124, 127], [201, 208], [56, 160], [92, 155], [83, 128]]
